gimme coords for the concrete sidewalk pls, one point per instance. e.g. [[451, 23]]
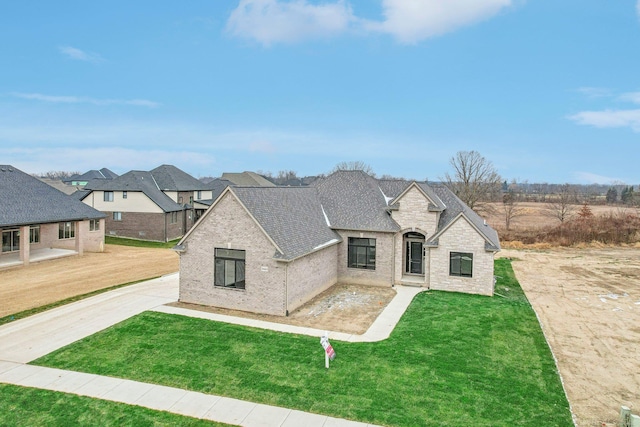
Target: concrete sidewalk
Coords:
[[28, 339], [380, 329]]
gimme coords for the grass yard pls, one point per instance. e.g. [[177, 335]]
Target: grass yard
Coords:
[[453, 360], [111, 240], [22, 406]]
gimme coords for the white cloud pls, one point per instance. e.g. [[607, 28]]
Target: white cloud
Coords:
[[609, 118], [631, 97], [80, 55], [595, 92], [273, 21], [85, 100], [409, 21], [262, 146]]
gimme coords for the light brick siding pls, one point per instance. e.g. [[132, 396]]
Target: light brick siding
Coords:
[[462, 237], [414, 212], [228, 225], [400, 260], [92, 241], [310, 275], [146, 226], [382, 275]]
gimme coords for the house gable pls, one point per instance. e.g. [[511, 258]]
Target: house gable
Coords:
[[415, 209], [228, 225], [461, 236]]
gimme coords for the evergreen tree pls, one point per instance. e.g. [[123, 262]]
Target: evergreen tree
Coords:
[[612, 195]]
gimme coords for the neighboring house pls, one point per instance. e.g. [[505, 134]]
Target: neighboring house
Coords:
[[271, 249], [247, 178], [82, 180], [161, 205], [34, 216]]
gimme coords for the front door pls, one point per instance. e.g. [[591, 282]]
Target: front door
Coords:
[[414, 257]]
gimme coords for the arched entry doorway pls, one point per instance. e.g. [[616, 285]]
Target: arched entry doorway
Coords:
[[414, 254]]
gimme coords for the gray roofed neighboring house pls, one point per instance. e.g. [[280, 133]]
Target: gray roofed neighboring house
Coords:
[[34, 216], [140, 181], [84, 178], [170, 178], [247, 178], [27, 200]]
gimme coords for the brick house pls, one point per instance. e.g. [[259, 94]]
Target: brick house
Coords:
[[37, 217], [160, 205], [271, 249]]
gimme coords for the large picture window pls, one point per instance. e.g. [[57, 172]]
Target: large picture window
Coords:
[[229, 268], [67, 230], [460, 264], [362, 253]]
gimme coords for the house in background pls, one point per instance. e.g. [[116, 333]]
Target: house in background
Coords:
[[247, 178], [36, 220], [271, 249], [82, 180], [160, 205]]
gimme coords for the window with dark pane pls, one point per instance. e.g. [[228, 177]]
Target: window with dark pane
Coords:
[[362, 253], [461, 264], [229, 268]]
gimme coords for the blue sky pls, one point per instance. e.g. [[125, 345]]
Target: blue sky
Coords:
[[547, 90]]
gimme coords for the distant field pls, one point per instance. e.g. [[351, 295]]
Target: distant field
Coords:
[[537, 215]]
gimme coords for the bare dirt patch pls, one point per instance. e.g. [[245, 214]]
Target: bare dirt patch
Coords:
[[341, 308], [588, 301], [46, 282]]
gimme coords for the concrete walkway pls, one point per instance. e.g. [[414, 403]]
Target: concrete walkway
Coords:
[[28, 339]]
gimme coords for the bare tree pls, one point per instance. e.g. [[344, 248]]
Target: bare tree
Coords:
[[353, 166], [511, 208], [562, 206], [474, 180]]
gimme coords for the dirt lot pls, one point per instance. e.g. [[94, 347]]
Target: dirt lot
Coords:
[[588, 301], [342, 308], [45, 282]]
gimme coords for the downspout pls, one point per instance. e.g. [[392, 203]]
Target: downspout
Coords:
[[286, 289], [165, 227], [393, 261]]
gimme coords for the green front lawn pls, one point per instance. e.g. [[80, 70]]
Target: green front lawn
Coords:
[[123, 241], [453, 360], [22, 406]]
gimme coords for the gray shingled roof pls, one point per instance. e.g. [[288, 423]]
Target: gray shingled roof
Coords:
[[170, 178], [291, 216], [455, 206], [27, 200], [247, 178], [393, 187], [137, 181], [353, 200], [103, 173]]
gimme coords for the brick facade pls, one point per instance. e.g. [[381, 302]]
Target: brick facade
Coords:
[[383, 273], [228, 225], [310, 275], [462, 237], [146, 226]]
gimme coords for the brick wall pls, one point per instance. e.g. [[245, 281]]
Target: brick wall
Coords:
[[146, 226], [382, 275], [462, 237], [228, 225], [310, 275], [49, 238], [414, 213]]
